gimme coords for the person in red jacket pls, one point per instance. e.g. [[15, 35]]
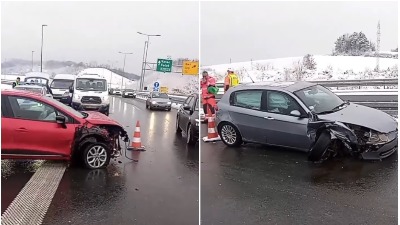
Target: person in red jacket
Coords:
[[208, 99]]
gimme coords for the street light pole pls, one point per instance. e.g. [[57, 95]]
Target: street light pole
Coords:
[[41, 51], [146, 47], [123, 68], [111, 73], [32, 61]]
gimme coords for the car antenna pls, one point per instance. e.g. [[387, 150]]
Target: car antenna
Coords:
[[249, 75]]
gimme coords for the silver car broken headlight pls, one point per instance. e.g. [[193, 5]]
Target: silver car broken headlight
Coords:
[[376, 138]]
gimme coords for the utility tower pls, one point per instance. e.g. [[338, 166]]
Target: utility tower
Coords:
[[378, 45]]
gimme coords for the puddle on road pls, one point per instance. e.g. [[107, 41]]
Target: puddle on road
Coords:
[[10, 167], [14, 175]]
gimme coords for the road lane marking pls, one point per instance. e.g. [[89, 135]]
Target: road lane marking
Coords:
[[31, 204]]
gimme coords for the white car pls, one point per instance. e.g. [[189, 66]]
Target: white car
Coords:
[[34, 88], [202, 115], [117, 92]]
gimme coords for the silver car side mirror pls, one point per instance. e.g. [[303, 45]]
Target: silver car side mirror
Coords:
[[295, 113]]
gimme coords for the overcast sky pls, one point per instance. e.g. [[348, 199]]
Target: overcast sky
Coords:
[[96, 31], [264, 30]]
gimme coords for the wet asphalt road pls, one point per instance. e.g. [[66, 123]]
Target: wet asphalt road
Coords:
[[161, 188], [261, 185]]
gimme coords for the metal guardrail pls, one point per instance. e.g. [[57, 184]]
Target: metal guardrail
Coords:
[[358, 83]]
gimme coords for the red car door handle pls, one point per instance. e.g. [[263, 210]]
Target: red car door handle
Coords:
[[22, 129]]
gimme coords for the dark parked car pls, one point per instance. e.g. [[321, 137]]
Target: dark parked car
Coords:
[[157, 100], [187, 119]]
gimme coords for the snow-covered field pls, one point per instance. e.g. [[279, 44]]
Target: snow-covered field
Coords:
[[114, 79], [327, 68], [183, 83], [170, 80]]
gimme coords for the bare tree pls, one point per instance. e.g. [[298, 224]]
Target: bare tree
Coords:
[[287, 74], [298, 70]]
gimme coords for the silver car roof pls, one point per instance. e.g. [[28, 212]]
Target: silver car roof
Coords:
[[273, 85], [29, 86]]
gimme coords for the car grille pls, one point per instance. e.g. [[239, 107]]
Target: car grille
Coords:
[[91, 100]]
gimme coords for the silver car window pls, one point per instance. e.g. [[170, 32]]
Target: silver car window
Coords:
[[250, 99], [281, 103]]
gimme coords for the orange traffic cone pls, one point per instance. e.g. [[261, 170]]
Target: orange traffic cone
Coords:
[[136, 142], [212, 133]]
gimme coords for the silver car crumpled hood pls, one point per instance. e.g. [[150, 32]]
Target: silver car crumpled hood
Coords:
[[363, 116]]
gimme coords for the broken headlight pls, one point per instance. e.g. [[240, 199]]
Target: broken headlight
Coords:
[[376, 138]]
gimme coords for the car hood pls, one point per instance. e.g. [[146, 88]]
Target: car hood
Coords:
[[161, 99], [97, 118], [363, 116], [59, 91]]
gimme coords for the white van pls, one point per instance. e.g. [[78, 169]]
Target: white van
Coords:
[[61, 85], [90, 92]]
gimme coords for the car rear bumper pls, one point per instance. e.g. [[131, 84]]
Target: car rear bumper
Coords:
[[103, 108], [160, 106], [383, 152]]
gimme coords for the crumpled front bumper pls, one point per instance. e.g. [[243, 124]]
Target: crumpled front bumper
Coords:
[[383, 152]]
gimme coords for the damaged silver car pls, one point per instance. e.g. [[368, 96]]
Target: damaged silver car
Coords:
[[306, 117]]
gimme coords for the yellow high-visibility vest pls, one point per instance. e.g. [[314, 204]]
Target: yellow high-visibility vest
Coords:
[[234, 80]]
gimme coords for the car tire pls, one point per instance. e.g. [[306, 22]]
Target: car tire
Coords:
[[320, 147], [232, 140], [189, 136], [177, 128], [169, 109], [96, 156]]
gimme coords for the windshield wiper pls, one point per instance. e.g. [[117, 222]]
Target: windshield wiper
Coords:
[[341, 105], [334, 109]]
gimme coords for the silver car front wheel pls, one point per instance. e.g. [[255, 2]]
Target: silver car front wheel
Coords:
[[230, 135], [96, 156]]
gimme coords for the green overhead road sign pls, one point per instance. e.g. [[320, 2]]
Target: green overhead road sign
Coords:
[[164, 65]]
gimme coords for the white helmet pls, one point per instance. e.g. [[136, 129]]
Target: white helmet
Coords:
[[230, 70]]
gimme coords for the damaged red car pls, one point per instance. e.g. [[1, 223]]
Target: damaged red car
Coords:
[[37, 127]]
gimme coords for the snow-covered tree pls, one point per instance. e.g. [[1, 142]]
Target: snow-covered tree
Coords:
[[309, 62], [355, 44]]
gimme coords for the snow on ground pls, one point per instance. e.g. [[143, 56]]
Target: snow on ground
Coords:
[[185, 83], [170, 80], [327, 68], [113, 78]]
